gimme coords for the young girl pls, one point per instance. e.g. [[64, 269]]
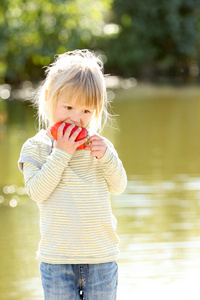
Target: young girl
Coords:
[[79, 246]]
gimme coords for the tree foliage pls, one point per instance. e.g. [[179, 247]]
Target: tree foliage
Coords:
[[145, 38], [155, 37], [32, 32]]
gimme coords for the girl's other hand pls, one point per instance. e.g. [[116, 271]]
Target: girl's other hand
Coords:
[[65, 141], [97, 146]]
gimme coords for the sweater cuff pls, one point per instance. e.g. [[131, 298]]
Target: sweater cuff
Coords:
[[60, 155], [107, 156]]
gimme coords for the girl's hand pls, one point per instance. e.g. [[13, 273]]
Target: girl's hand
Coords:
[[97, 146], [67, 142]]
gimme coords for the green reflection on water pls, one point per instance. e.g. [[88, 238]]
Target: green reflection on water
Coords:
[[159, 131], [158, 221]]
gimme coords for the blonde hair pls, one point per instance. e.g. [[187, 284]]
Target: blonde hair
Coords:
[[77, 73]]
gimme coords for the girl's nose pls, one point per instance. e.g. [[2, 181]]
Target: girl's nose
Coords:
[[75, 117]]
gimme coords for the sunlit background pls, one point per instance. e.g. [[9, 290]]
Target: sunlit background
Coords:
[[151, 51]]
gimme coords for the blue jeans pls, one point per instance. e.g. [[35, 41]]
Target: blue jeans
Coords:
[[75, 282]]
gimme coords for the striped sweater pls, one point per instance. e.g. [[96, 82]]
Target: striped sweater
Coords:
[[72, 193]]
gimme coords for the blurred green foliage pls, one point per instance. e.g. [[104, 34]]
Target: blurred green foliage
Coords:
[[145, 39], [156, 38], [32, 32]]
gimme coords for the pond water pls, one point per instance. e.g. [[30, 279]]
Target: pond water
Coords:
[[158, 214]]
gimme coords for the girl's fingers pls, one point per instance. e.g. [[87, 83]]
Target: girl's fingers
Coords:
[[87, 148], [97, 148], [75, 133], [94, 138], [68, 131], [93, 146], [72, 136], [98, 145], [67, 141], [60, 131], [95, 154], [81, 142]]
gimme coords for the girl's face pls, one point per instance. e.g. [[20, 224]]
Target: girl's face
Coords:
[[72, 113]]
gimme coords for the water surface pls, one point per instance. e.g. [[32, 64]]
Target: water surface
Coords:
[[158, 214]]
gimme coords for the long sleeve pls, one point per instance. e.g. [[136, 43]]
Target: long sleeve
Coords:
[[42, 169], [40, 183], [113, 171]]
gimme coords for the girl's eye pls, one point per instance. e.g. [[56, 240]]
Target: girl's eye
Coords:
[[68, 107], [86, 111]]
